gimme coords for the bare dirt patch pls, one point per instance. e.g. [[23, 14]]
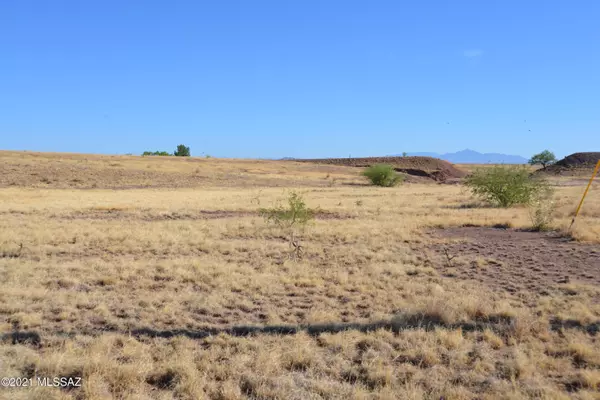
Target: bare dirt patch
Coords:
[[515, 261], [427, 167]]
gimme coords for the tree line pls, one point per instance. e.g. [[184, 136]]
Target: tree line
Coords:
[[181, 151]]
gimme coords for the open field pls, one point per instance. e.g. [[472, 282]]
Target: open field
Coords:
[[156, 278], [86, 171]]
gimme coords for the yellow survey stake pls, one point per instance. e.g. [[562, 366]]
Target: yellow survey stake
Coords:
[[586, 192]]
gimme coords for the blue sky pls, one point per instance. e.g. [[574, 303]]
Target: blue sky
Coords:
[[300, 78]]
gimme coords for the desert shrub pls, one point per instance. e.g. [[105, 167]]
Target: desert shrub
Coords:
[[506, 186], [296, 213], [541, 209], [182, 151], [382, 175], [156, 153]]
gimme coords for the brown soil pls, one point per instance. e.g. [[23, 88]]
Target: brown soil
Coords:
[[427, 167], [575, 164], [516, 261]]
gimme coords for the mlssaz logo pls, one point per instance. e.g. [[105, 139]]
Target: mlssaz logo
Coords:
[[63, 382]]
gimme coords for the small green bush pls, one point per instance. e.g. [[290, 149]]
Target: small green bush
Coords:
[[156, 153], [382, 175], [297, 213], [506, 186]]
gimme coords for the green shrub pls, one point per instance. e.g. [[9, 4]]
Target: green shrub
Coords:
[[541, 209], [506, 186], [156, 153], [182, 151], [382, 175], [297, 213]]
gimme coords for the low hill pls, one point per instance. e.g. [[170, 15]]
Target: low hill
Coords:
[[588, 160], [574, 164], [429, 167]]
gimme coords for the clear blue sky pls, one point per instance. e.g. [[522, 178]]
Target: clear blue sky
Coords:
[[300, 78]]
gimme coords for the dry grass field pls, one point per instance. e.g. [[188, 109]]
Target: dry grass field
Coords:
[[156, 278]]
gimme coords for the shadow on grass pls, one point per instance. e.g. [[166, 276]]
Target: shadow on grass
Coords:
[[396, 324], [469, 225], [312, 330], [356, 184], [469, 206], [557, 324], [498, 323]]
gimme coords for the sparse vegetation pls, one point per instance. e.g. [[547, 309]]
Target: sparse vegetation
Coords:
[[505, 186], [544, 158], [382, 175], [181, 151], [157, 291], [541, 209], [156, 153], [296, 214]]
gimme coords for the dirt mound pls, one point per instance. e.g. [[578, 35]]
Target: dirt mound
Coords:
[[580, 160], [575, 164], [428, 167]]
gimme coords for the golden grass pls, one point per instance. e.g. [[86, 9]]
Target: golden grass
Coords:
[[85, 171], [153, 292]]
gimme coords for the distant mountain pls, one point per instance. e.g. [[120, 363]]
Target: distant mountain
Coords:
[[473, 157]]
